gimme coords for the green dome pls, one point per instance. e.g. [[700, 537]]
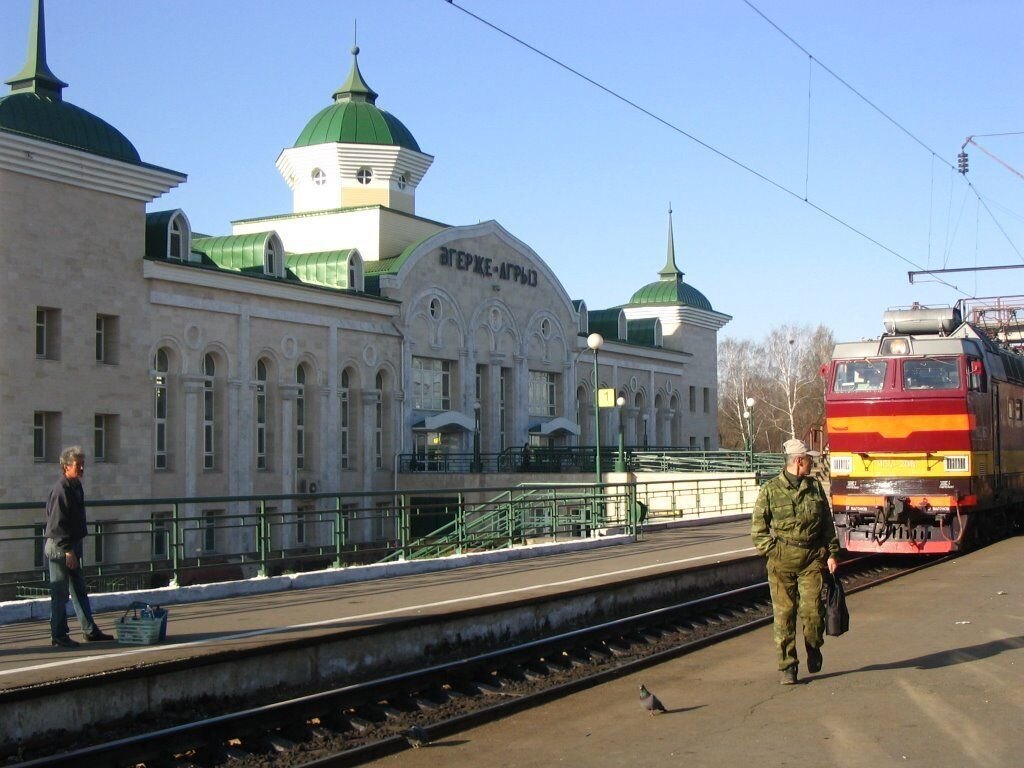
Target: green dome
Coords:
[[671, 292], [356, 122], [354, 118], [58, 122]]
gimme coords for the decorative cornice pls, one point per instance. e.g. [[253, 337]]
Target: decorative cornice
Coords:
[[43, 160]]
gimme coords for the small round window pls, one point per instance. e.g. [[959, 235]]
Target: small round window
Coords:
[[364, 175], [545, 327], [403, 180], [435, 308], [319, 177]]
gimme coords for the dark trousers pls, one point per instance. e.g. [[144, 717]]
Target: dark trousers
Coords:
[[65, 582]]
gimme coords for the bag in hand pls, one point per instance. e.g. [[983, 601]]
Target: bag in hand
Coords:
[[837, 617]]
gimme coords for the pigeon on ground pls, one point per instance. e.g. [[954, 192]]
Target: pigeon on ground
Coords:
[[650, 702], [416, 736]]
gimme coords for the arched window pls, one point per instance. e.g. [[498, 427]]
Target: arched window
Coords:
[[161, 368], [261, 414], [378, 423], [175, 245], [300, 417], [345, 420], [270, 259], [209, 441]]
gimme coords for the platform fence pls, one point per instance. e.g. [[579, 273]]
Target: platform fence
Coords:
[[146, 543]]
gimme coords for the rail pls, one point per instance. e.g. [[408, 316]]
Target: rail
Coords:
[[148, 543]]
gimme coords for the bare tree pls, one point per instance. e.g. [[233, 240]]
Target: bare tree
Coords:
[[782, 375]]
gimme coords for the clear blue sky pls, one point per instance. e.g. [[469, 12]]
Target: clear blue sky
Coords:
[[216, 88]]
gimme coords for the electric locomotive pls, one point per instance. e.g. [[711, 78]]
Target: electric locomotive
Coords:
[[926, 435]]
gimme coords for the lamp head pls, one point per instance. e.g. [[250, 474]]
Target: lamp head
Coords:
[[594, 341], [750, 402], [476, 406], [620, 401]]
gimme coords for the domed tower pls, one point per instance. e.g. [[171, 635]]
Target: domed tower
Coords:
[[353, 153], [36, 108], [676, 303]]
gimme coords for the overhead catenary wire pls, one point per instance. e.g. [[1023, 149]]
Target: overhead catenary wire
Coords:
[[728, 158]]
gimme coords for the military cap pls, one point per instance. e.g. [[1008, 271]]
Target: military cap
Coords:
[[796, 447]]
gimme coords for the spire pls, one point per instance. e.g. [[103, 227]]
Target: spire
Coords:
[[670, 272], [35, 76], [355, 88]]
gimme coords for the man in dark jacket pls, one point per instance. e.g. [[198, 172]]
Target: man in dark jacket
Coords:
[[65, 531], [792, 526]]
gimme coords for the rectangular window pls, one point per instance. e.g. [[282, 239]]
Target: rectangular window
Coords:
[[543, 393], [383, 523], [106, 339], [47, 333], [261, 426], [707, 443], [300, 527], [45, 436], [707, 400], [209, 532], [160, 422], [106, 436], [931, 373], [209, 433], [98, 541], [378, 432], [37, 545], [161, 535], [860, 376], [431, 384], [300, 428], [502, 416], [693, 399], [345, 418], [693, 442]]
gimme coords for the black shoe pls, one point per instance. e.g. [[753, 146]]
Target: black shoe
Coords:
[[64, 642], [813, 659], [97, 636], [788, 676]]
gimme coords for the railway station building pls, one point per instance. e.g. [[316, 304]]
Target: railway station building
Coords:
[[347, 344]]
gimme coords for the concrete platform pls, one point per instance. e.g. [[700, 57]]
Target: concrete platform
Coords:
[[258, 622], [931, 675]]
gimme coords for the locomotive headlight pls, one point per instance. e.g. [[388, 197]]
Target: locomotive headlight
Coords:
[[895, 346]]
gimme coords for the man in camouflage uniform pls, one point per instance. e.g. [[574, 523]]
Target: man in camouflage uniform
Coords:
[[792, 526]]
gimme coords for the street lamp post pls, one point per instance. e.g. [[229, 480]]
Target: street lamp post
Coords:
[[594, 341], [477, 464], [749, 416], [620, 458], [647, 417]]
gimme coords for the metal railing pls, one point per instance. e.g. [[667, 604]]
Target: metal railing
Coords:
[[154, 542], [580, 459]]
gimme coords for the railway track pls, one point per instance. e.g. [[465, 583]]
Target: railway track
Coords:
[[357, 723]]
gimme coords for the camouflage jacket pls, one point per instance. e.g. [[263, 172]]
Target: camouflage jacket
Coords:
[[798, 515]]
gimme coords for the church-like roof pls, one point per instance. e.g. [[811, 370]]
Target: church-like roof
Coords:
[[35, 107], [671, 289], [354, 118]]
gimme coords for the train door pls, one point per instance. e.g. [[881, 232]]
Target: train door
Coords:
[[998, 432]]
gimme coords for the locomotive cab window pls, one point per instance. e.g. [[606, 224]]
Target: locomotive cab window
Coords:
[[860, 376], [931, 373]]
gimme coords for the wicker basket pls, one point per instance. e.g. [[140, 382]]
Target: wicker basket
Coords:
[[146, 625]]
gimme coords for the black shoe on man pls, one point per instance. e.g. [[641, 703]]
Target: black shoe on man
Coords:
[[813, 659], [788, 676], [97, 635], [64, 642]]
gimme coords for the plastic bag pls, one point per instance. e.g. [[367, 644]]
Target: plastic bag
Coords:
[[837, 616]]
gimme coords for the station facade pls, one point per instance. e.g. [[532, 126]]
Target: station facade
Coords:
[[312, 350]]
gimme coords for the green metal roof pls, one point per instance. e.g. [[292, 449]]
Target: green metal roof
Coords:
[[59, 122], [156, 233], [672, 291], [234, 252], [354, 118], [643, 331], [327, 268], [35, 107], [605, 322]]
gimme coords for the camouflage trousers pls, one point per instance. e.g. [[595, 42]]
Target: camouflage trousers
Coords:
[[795, 578]]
